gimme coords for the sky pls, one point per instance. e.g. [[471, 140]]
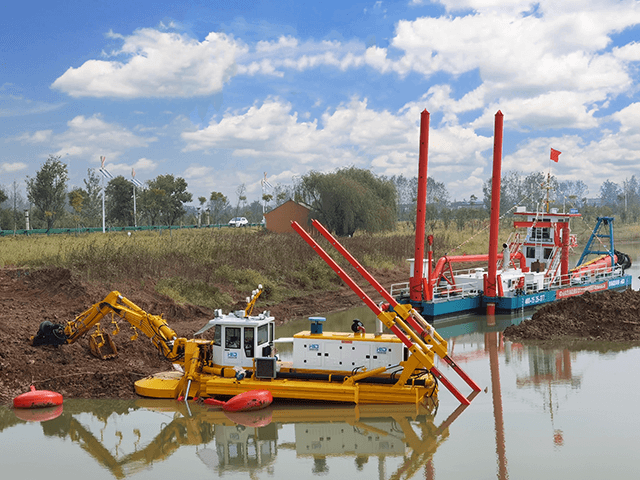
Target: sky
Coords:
[[221, 93]]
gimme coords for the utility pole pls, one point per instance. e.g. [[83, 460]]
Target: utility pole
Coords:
[[105, 174], [136, 183]]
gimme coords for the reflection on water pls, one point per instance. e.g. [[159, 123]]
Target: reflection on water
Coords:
[[542, 413], [114, 434]]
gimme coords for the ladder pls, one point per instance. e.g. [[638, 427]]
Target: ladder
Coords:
[[552, 271], [403, 320]]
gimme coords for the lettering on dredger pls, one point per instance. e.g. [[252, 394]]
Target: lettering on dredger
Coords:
[[535, 299]]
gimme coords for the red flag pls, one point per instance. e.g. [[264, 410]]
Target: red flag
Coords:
[[555, 154], [102, 159]]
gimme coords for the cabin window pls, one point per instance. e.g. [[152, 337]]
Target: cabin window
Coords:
[[217, 335], [540, 233], [547, 253], [531, 252], [271, 334], [232, 337], [248, 341], [263, 334]]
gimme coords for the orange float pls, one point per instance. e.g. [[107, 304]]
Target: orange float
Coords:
[[243, 402], [37, 399]]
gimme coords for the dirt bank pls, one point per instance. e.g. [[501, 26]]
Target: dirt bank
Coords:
[[603, 316], [28, 297]]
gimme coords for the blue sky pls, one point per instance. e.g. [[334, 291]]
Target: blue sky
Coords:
[[220, 92]]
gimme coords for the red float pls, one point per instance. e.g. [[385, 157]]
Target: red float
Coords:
[[244, 402], [37, 399]]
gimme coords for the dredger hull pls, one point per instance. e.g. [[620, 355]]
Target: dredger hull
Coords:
[[171, 384]]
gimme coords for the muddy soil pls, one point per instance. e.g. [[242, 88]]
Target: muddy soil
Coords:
[[28, 297], [607, 316]]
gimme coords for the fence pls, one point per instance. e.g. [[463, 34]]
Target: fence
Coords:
[[52, 231]]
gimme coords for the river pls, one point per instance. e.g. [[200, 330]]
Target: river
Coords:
[[554, 413]]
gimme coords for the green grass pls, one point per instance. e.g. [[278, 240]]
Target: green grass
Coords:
[[193, 266]]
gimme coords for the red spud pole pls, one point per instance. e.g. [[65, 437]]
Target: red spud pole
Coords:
[[415, 282], [495, 211]]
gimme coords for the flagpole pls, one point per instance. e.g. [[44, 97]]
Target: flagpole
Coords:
[[553, 156]]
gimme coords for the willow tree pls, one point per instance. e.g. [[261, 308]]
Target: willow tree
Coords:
[[350, 199]]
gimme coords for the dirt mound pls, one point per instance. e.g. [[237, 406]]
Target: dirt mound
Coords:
[[28, 297], [604, 316]]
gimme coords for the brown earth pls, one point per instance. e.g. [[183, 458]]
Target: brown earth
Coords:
[[28, 297], [607, 316]]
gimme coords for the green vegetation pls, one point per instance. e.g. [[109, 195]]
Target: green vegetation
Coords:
[[350, 200], [217, 268]]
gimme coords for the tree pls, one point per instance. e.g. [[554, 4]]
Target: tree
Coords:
[[12, 214], [151, 204], [165, 199], [218, 203], [47, 191], [350, 199], [5, 215], [573, 193], [530, 191], [76, 200], [253, 212], [610, 193], [266, 200], [119, 201], [242, 197], [92, 206]]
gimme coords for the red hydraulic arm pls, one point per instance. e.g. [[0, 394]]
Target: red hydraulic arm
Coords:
[[396, 325], [407, 312]]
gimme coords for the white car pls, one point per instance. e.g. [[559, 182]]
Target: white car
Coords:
[[238, 222]]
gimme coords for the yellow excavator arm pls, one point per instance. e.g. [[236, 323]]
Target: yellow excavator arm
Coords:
[[153, 326]]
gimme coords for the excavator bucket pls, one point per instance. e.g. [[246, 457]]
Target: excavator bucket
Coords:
[[102, 346]]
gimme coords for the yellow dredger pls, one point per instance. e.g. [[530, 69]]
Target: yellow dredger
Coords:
[[356, 367]]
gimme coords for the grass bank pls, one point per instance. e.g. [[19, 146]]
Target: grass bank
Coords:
[[212, 268]]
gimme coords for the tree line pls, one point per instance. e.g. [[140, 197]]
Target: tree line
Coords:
[[347, 200]]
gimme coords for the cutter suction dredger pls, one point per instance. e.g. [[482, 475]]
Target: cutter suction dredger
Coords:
[[353, 367]]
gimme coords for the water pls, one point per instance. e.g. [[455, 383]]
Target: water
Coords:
[[554, 413]]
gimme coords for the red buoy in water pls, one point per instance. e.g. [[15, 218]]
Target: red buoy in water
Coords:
[[37, 399], [244, 402]]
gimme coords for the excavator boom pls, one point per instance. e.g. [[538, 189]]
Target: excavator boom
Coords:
[[100, 343]]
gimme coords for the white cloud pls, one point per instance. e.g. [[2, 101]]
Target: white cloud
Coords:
[[12, 167], [141, 166], [156, 64], [88, 138], [629, 52], [40, 136], [275, 138]]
